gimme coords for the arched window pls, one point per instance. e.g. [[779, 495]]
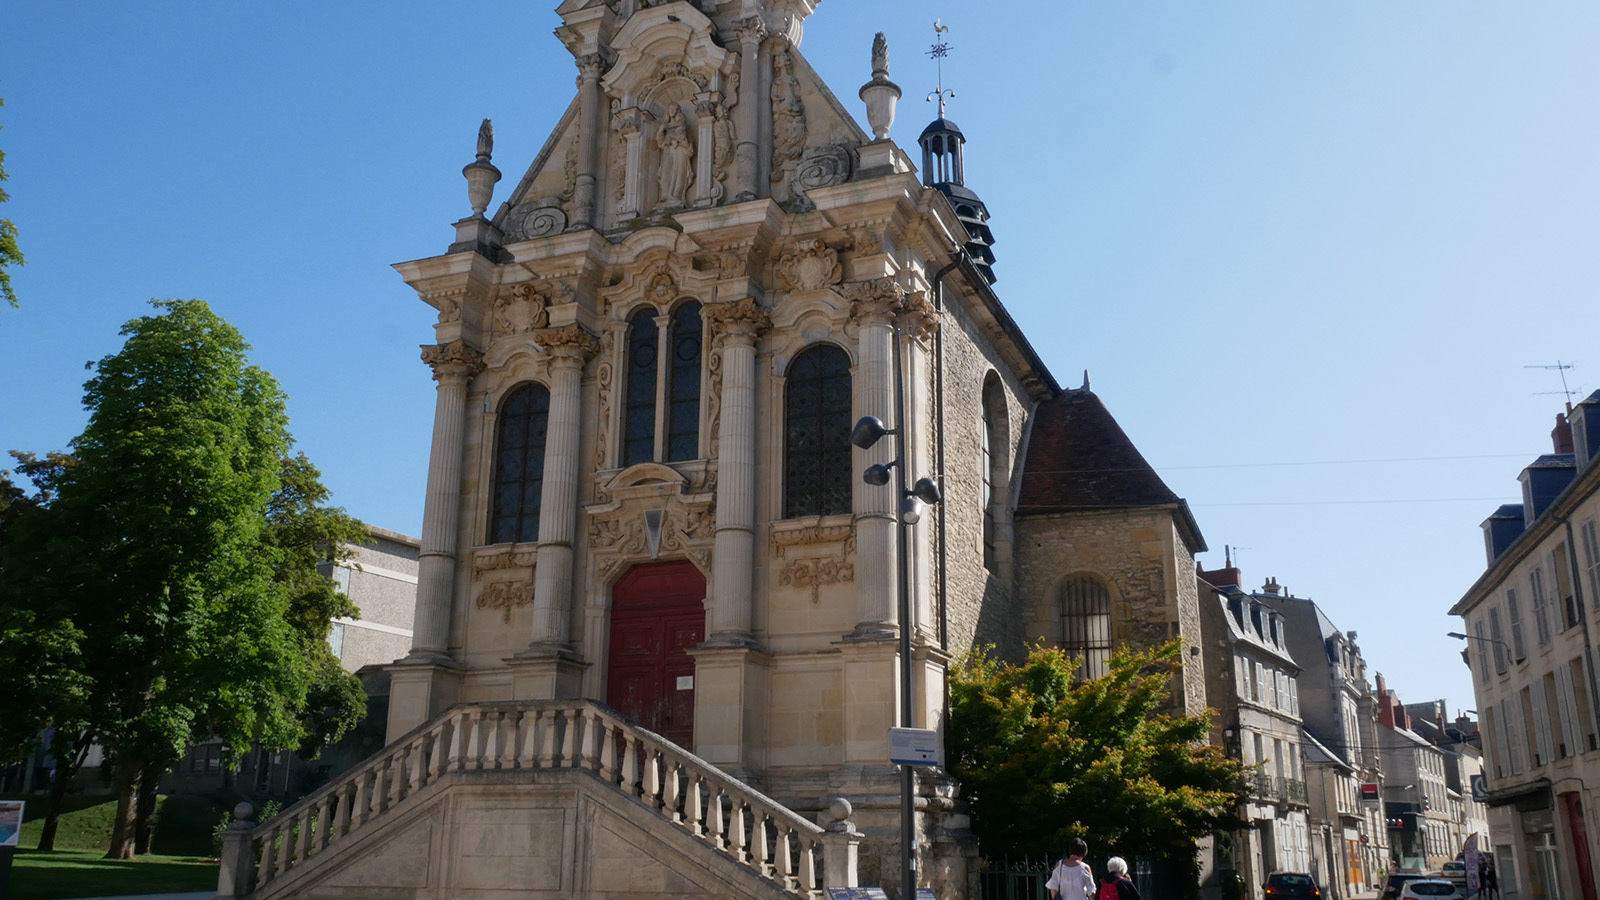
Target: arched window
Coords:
[[639, 409], [683, 385], [816, 433], [1086, 624], [519, 465], [991, 459]]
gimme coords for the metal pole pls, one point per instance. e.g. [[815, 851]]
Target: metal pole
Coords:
[[908, 879]]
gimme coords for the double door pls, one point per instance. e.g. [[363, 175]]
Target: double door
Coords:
[[657, 616]]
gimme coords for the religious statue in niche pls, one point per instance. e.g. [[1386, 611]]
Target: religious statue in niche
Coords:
[[676, 175], [722, 143], [788, 118]]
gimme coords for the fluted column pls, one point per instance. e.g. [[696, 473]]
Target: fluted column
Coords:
[[453, 364], [873, 307], [568, 349], [737, 326], [589, 68], [747, 169]]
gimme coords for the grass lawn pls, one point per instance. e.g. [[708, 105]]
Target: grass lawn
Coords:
[[82, 873], [183, 824]]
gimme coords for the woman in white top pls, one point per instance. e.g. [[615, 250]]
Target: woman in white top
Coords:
[[1072, 879]]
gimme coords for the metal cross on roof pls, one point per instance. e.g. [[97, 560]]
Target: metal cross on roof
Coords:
[[939, 51]]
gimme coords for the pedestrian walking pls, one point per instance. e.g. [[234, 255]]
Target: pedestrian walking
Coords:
[[1488, 878], [1115, 884], [1072, 879]]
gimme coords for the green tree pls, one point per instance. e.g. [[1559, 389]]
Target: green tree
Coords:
[[154, 549], [1044, 758], [9, 254]]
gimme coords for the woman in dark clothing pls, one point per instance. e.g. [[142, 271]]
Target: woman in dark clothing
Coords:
[[1116, 885]]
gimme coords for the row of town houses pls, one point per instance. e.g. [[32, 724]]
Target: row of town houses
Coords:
[[1347, 782], [1529, 630]]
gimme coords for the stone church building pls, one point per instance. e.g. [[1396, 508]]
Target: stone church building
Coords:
[[643, 497]]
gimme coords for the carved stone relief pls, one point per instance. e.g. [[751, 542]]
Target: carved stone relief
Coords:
[[822, 167], [662, 287], [809, 265], [604, 377], [620, 536], [788, 120], [506, 596], [723, 140], [536, 218], [490, 559], [522, 310], [812, 571]]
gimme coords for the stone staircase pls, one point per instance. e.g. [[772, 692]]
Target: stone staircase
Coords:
[[534, 799]]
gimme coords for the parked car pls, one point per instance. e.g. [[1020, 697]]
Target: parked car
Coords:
[[1455, 870], [1398, 880], [1432, 889], [1292, 886]]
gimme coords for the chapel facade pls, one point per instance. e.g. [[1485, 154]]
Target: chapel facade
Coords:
[[642, 489]]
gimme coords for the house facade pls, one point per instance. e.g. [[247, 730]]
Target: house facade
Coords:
[[1529, 620]]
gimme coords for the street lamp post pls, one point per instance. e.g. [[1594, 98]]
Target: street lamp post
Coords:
[[866, 433]]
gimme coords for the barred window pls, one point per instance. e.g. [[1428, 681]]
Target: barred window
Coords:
[[1086, 624], [639, 409], [816, 400], [519, 464], [683, 385]]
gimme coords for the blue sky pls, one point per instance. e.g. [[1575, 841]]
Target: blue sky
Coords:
[[1305, 249]]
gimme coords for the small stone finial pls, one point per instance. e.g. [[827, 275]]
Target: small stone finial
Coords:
[[880, 94], [485, 140], [1085, 380], [242, 812], [481, 174], [837, 812]]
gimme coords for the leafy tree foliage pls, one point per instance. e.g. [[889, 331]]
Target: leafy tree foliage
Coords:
[[9, 254], [173, 559], [1044, 758]]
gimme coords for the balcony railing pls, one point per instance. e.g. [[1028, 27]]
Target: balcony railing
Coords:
[[1276, 789]]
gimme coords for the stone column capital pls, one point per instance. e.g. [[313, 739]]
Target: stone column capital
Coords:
[[590, 67], [750, 30], [456, 361], [569, 345], [737, 320], [873, 302]]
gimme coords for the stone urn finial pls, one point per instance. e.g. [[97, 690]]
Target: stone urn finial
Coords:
[[880, 94], [481, 174]]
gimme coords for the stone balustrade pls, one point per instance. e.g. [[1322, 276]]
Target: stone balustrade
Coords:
[[670, 784]]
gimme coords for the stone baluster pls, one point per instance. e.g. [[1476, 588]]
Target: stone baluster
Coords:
[[719, 832], [758, 841], [490, 757], [285, 838], [548, 723], [264, 868], [471, 756], [341, 814], [418, 750], [308, 821], [785, 855], [747, 161], [608, 751], [737, 833], [695, 809], [590, 67], [325, 822], [441, 754], [671, 792], [652, 777], [737, 326], [568, 349], [873, 307], [453, 364]]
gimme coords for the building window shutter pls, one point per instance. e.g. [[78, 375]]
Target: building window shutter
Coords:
[[1569, 711], [1541, 615], [1591, 560], [1514, 612]]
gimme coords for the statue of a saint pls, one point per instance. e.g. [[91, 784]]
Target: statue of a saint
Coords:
[[676, 175], [788, 117]]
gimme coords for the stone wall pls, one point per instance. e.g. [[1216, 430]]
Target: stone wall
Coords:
[[1140, 556]]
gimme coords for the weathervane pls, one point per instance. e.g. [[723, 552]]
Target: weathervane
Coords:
[[939, 51]]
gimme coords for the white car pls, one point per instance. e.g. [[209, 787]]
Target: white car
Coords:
[[1431, 889]]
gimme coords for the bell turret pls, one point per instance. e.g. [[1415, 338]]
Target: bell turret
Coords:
[[943, 169]]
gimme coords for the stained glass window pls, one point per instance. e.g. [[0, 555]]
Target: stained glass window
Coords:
[[639, 410], [1086, 624], [817, 423], [683, 385], [519, 464]]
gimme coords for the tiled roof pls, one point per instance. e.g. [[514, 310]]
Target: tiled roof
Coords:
[[1079, 458]]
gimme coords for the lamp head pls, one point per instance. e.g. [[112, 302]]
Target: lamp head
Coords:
[[867, 432], [1455, 634], [878, 474], [927, 490], [910, 511]]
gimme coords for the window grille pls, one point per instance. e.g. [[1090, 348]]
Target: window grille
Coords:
[[1086, 624], [519, 465], [817, 463], [683, 385], [639, 409]]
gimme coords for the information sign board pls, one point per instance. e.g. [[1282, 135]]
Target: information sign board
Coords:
[[914, 746], [10, 822]]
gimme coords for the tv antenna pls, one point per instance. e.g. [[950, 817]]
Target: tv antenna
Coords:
[[939, 51], [1565, 391]]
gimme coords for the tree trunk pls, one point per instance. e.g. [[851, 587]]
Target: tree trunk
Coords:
[[68, 761], [122, 827], [145, 809]]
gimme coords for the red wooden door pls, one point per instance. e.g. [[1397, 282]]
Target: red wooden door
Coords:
[[657, 614]]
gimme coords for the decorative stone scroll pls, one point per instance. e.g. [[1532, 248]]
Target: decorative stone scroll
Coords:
[[506, 596], [457, 359], [809, 265], [537, 218], [812, 571], [491, 559], [821, 167]]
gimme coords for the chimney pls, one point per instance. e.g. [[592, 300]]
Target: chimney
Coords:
[[1385, 702], [1227, 576], [1561, 435], [1271, 587]]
